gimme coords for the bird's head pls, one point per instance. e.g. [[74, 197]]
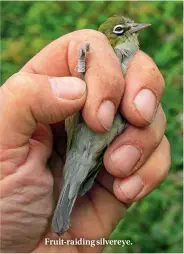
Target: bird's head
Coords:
[[119, 29]]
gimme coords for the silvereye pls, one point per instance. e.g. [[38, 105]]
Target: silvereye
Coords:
[[85, 147]]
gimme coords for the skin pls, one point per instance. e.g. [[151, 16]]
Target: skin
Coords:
[[27, 133]]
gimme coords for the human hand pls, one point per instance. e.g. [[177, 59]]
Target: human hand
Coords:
[[30, 104]]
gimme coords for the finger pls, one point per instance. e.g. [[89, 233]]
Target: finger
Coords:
[[26, 99], [43, 139], [143, 91], [148, 177], [132, 148], [104, 77], [56, 165]]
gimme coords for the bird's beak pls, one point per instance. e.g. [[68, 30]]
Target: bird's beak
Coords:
[[137, 27]]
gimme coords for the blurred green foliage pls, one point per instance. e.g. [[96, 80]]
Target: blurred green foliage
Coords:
[[155, 223]]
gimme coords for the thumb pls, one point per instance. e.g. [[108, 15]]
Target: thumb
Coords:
[[26, 99]]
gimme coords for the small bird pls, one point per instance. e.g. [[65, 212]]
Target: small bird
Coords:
[[85, 148]]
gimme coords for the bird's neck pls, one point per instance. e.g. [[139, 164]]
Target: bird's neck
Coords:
[[127, 49]]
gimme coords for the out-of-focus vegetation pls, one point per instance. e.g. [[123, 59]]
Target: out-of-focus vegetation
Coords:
[[154, 224]]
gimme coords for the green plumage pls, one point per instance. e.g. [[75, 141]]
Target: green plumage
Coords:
[[106, 28]]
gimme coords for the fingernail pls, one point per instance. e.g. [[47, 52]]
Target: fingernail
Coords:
[[69, 88], [146, 103], [106, 114], [131, 186], [125, 158]]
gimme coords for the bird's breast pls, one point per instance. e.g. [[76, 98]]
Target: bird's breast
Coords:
[[127, 49]]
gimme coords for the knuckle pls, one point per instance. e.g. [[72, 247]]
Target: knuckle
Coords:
[[156, 129], [115, 84], [151, 72], [155, 136], [161, 81], [111, 89], [165, 171], [85, 34], [164, 119], [160, 119], [19, 84], [168, 150], [100, 35], [167, 158], [17, 79], [95, 34], [154, 75]]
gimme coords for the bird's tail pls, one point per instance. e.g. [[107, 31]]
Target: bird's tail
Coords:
[[61, 218]]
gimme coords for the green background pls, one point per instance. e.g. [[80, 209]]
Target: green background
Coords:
[[155, 223]]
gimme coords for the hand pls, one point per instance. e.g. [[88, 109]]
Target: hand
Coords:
[[33, 107]]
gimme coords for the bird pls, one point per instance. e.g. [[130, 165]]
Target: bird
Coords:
[[85, 148]]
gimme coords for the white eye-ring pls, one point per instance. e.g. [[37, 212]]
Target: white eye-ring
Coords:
[[118, 29]]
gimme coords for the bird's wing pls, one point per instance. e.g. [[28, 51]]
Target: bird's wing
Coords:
[[89, 181], [70, 125]]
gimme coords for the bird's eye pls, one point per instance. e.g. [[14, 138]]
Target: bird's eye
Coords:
[[118, 29]]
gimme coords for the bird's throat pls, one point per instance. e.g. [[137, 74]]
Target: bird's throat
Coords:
[[127, 49]]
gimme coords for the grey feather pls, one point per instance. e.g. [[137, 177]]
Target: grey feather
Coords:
[[89, 181], [62, 211], [125, 52], [85, 153], [83, 162]]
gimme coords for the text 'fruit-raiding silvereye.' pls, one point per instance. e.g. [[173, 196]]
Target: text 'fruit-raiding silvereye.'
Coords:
[[85, 148]]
